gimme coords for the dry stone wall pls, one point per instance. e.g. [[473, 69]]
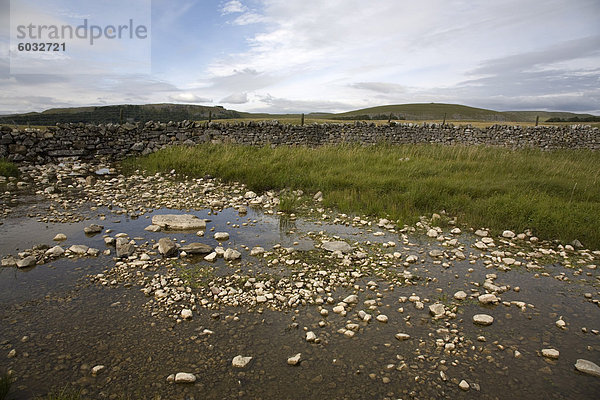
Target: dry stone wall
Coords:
[[115, 142]]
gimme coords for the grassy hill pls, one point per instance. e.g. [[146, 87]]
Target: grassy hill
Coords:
[[439, 111], [125, 113], [178, 112]]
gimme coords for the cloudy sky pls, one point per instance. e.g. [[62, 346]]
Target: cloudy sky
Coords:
[[338, 55]]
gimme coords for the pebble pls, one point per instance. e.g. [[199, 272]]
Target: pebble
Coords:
[[231, 254], [240, 361], [402, 336], [550, 353], [382, 318], [60, 237], [186, 313], [221, 236], [97, 369], [310, 336], [487, 299], [294, 360], [185, 377], [463, 385], [483, 319], [460, 295]]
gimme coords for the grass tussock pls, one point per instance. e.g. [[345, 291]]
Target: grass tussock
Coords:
[[5, 385], [7, 168], [556, 194]]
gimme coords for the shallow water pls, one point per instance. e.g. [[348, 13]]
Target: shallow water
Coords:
[[73, 325]]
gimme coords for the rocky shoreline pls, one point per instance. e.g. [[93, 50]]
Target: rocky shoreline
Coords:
[[442, 297]]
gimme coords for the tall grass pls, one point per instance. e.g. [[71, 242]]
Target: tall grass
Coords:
[[554, 193]]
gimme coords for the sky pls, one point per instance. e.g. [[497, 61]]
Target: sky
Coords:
[[307, 56]]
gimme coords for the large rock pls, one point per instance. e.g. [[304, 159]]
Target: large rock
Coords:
[[231, 254], [337, 246], [80, 249], [179, 221], [55, 251], [587, 367], [437, 310], [27, 262], [93, 228], [167, 247], [197, 248], [124, 248]]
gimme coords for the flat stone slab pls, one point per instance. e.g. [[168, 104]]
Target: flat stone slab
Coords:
[[337, 246], [587, 367], [178, 221], [197, 248]]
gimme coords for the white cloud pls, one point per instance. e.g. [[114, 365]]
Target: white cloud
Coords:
[[188, 97], [233, 7], [235, 98]]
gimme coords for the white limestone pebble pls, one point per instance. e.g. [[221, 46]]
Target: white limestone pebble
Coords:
[[240, 361], [294, 360], [483, 319], [185, 377], [550, 353], [463, 385]]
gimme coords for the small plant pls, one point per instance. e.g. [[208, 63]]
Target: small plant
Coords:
[[7, 168], [288, 203], [65, 393], [5, 384]]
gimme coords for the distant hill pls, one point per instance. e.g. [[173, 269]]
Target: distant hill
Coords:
[[179, 112], [121, 113], [437, 111]]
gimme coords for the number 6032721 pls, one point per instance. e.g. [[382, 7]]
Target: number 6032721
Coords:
[[43, 46]]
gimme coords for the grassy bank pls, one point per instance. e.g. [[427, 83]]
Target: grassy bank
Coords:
[[7, 168], [556, 194]]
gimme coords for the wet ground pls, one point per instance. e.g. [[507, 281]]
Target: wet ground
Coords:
[[70, 314]]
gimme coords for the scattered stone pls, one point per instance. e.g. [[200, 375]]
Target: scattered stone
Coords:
[[79, 249], [93, 229], [561, 324], [587, 367], [437, 310], [179, 222], [310, 336], [184, 377], [463, 385], [382, 318], [153, 228], [27, 262], [197, 248], [60, 237], [483, 319], [488, 299], [337, 246], [240, 361], [186, 313], [550, 353], [55, 251], [211, 257], [167, 247], [352, 299], [402, 336], [98, 369], [508, 234], [231, 254], [481, 232], [221, 236], [294, 360], [460, 295], [257, 251], [12, 353], [124, 248]]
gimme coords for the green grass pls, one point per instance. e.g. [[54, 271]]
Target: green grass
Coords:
[[7, 168], [554, 193], [65, 393], [5, 384]]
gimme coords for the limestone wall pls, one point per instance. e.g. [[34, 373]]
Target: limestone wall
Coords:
[[118, 141]]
